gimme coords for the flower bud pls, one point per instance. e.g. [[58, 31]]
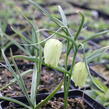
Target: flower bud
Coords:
[[80, 74], [52, 52]]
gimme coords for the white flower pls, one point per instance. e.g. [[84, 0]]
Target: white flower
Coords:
[[52, 52], [80, 74]]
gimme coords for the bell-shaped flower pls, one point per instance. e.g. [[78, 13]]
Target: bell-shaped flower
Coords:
[[79, 75], [52, 52]]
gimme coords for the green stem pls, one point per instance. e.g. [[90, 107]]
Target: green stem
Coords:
[[65, 78], [73, 61], [77, 34], [68, 79], [49, 96], [65, 91], [33, 59], [80, 27]]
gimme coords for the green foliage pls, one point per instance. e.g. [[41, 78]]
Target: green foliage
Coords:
[[33, 47], [101, 95]]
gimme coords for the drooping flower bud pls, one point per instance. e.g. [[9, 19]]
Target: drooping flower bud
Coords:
[[52, 52], [80, 74]]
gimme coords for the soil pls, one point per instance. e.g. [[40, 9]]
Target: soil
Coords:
[[58, 103], [49, 80]]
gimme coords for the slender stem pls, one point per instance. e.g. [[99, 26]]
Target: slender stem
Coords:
[[33, 59], [66, 58], [80, 27], [68, 80], [73, 61], [69, 77], [65, 78], [77, 34], [49, 96], [67, 87], [65, 91]]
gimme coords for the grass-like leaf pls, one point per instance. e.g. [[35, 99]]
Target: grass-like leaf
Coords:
[[58, 22], [37, 68], [14, 80], [81, 26], [15, 101], [49, 96], [21, 81], [34, 86], [64, 20], [96, 53], [17, 44], [17, 76], [95, 81], [96, 35], [100, 84], [20, 35]]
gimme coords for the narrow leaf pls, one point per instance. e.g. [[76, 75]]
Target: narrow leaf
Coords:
[[96, 35], [21, 81], [100, 84], [34, 86], [18, 77], [96, 53], [49, 96], [15, 101], [58, 22], [80, 27], [64, 20], [14, 80]]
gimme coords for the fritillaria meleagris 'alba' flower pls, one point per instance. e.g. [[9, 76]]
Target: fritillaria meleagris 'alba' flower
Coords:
[[80, 74], [52, 52]]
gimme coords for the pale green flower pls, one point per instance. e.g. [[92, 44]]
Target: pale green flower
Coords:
[[52, 52], [80, 74]]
